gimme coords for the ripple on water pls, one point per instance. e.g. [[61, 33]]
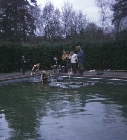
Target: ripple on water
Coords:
[[70, 113]]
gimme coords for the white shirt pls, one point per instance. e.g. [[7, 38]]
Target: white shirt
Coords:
[[73, 58]]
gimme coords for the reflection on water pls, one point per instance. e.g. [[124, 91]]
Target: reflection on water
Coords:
[[32, 111]]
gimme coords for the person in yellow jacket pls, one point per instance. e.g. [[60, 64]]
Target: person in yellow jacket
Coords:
[[64, 55], [64, 58]]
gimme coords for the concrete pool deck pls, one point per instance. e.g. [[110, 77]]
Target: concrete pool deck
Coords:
[[13, 76], [111, 74]]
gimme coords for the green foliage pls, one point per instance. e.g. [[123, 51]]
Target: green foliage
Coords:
[[17, 21], [98, 55]]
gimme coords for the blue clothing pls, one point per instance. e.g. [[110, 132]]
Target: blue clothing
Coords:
[[80, 56]]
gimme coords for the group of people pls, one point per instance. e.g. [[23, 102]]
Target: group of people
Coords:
[[35, 70], [72, 62]]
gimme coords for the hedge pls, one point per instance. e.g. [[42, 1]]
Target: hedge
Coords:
[[99, 55]]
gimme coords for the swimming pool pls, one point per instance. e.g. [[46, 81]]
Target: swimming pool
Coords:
[[94, 110]]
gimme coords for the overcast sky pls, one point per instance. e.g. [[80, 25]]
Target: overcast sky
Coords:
[[88, 7]]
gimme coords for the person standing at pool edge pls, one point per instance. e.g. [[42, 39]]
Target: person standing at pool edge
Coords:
[[64, 62], [80, 57], [23, 65], [73, 61]]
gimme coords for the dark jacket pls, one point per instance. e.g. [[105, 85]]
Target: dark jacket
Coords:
[[80, 56], [23, 63]]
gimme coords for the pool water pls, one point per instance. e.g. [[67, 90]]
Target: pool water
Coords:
[[35, 111]]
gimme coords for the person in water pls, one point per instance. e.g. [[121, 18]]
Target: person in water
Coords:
[[45, 76]]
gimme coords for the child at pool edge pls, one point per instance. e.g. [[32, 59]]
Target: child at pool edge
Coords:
[[35, 69]]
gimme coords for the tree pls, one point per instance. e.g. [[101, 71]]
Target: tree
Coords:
[[72, 22], [16, 19], [67, 14], [120, 14], [81, 21], [92, 32], [106, 13], [50, 22]]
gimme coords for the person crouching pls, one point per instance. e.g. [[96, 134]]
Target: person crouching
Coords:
[[35, 69]]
